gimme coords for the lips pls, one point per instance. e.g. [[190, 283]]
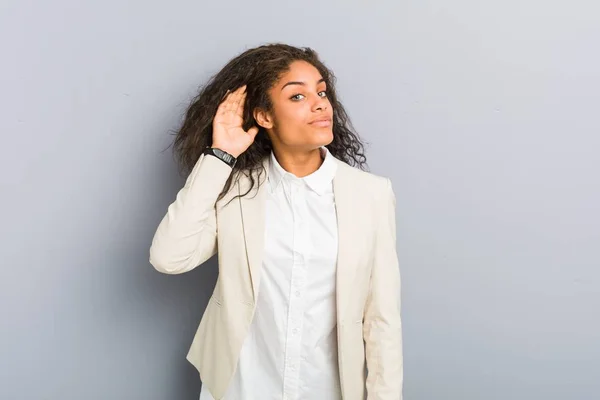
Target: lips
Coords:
[[321, 122]]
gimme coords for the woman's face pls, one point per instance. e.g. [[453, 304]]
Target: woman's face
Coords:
[[302, 116]]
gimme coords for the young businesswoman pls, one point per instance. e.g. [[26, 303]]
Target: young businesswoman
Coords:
[[307, 301]]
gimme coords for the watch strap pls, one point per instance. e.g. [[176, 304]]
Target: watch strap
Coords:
[[221, 155]]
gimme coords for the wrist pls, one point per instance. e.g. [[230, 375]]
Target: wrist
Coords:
[[221, 154], [226, 149]]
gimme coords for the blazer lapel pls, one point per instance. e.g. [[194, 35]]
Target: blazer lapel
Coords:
[[347, 209], [252, 208]]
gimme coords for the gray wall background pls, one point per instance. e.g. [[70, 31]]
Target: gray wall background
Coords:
[[484, 114]]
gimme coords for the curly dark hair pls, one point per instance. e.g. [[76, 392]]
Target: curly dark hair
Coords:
[[260, 69]]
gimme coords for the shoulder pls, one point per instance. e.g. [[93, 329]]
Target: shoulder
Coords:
[[378, 187]]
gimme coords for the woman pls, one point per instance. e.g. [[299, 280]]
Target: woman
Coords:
[[307, 301]]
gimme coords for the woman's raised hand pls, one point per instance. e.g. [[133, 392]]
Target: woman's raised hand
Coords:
[[228, 134]]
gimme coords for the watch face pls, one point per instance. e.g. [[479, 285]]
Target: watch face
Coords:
[[223, 154]]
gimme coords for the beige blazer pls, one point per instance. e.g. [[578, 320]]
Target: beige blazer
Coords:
[[196, 227]]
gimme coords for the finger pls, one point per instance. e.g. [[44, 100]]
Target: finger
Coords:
[[253, 131], [241, 104], [228, 104], [233, 100], [224, 103], [236, 101]]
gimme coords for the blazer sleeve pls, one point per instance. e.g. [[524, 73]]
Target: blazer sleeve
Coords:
[[382, 329], [187, 235]]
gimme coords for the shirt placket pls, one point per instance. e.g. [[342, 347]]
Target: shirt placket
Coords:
[[291, 373]]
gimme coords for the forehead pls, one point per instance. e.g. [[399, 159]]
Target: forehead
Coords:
[[300, 71]]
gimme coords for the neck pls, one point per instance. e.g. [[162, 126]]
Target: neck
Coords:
[[299, 163]]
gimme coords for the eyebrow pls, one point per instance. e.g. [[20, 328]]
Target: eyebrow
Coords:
[[300, 83]]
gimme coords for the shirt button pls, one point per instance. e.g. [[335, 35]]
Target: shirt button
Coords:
[[295, 330], [297, 293]]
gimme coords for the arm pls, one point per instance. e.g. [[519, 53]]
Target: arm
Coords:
[[187, 235], [382, 324]]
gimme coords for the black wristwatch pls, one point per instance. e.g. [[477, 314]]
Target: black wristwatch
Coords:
[[221, 155]]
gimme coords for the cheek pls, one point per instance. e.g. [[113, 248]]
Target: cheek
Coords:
[[292, 117]]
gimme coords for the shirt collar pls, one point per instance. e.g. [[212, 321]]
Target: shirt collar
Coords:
[[319, 181]]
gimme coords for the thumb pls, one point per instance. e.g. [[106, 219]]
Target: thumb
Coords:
[[253, 131]]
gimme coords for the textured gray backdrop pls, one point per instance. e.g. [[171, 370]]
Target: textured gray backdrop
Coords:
[[483, 114]]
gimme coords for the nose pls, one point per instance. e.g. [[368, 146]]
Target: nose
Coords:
[[320, 104]]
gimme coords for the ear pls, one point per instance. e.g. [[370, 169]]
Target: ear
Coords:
[[263, 118]]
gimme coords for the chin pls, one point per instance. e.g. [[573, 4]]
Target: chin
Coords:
[[317, 138], [324, 136], [328, 139]]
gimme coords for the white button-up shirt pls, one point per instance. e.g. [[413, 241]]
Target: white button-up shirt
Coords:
[[290, 352]]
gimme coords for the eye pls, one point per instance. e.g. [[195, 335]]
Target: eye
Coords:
[[298, 97]]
